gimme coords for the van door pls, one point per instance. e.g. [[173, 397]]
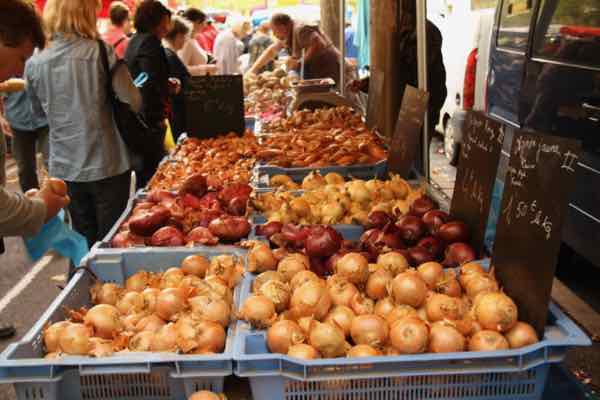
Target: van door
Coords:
[[507, 58], [561, 96]]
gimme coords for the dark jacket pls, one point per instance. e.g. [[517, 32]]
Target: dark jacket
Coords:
[[177, 70], [145, 53]]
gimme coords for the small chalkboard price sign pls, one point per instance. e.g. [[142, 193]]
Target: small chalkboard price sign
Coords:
[[214, 105], [404, 146], [376, 85], [476, 174], [538, 183]]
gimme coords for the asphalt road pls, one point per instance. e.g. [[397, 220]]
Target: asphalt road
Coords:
[[28, 288]]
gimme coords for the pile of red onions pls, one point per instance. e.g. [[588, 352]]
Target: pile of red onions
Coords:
[[186, 309]]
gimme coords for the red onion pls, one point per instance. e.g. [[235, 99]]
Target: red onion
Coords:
[[230, 228], [201, 235], [406, 254], [411, 228], [420, 255], [331, 261], [422, 205], [370, 241], [458, 254], [378, 220], [269, 229], [204, 218], [392, 237], [452, 232], [319, 266], [432, 244], [195, 184], [167, 236], [158, 196], [322, 241], [188, 200], [434, 219], [210, 201], [294, 234], [237, 206]]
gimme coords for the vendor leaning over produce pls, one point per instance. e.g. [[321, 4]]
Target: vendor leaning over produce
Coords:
[[321, 58]]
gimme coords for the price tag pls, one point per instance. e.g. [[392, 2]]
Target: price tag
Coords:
[[476, 174], [537, 187], [214, 105], [404, 146]]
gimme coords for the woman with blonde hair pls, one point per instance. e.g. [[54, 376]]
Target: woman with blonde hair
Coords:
[[68, 82]]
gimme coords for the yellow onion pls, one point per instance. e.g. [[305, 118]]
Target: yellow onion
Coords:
[[263, 278], [361, 304], [311, 299], [521, 335], [151, 323], [409, 336], [210, 337], [400, 312], [206, 395], [52, 335], [363, 350], [171, 278], [283, 334], [393, 262], [431, 273], [227, 268], [101, 347], [75, 340], [104, 319], [142, 341], [448, 285], [170, 303], [354, 267], [165, 340], [291, 265], [384, 307], [440, 307], [301, 277], [444, 338], [138, 281], [341, 291], [495, 311], [150, 295], [408, 288], [131, 303], [261, 259], [303, 351], [378, 283], [195, 265], [259, 311], [328, 340], [219, 288], [215, 310], [105, 293], [341, 316], [475, 284], [369, 329], [488, 340]]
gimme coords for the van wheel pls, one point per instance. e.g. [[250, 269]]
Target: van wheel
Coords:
[[451, 148]]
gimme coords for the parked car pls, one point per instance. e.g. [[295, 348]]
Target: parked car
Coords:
[[545, 76]]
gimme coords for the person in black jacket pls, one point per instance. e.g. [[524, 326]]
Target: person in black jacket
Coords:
[[175, 40], [145, 53]]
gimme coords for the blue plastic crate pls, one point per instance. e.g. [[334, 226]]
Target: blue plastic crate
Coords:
[[250, 123], [513, 374], [262, 173], [132, 376], [105, 246]]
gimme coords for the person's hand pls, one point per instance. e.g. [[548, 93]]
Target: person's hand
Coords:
[[292, 63], [5, 126], [54, 194], [174, 85]]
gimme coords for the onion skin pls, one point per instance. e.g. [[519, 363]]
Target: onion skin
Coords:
[[445, 339], [282, 335], [75, 340], [52, 336], [292, 264], [342, 292], [377, 220], [263, 278], [408, 288], [105, 320], [169, 303], [378, 283], [363, 350], [195, 265], [354, 267], [310, 300], [369, 329], [384, 307], [411, 228], [278, 292], [259, 311], [521, 335], [448, 285], [409, 336], [302, 277], [303, 351], [487, 340], [401, 312], [454, 231], [261, 259], [362, 305], [458, 254], [342, 317], [328, 340], [440, 307], [394, 261], [431, 273], [495, 311], [434, 219]]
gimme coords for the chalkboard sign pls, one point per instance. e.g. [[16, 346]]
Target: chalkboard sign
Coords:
[[376, 84], [476, 174], [538, 183], [404, 145], [214, 105]]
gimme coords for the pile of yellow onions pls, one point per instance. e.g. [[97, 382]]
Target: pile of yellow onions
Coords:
[[367, 310], [185, 309], [330, 200], [206, 395]]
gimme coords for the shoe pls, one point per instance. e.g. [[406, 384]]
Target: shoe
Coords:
[[7, 332]]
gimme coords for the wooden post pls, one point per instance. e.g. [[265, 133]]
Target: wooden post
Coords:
[[384, 58], [330, 20]]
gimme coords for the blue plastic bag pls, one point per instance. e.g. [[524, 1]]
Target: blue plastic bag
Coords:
[[58, 236]]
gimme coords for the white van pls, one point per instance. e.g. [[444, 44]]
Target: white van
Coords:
[[466, 27]]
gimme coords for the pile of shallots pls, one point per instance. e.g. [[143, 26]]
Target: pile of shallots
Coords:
[[377, 309], [186, 310]]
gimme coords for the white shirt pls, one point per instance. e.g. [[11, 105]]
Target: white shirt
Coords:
[[193, 57], [227, 52]]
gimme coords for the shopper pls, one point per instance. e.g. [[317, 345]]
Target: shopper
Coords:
[[321, 58], [192, 55], [30, 135], [259, 43], [20, 32], [145, 54], [229, 47], [68, 82], [118, 33], [175, 40]]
